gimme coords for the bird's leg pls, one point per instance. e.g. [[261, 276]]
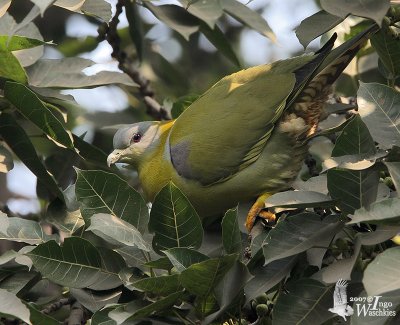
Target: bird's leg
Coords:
[[256, 211]]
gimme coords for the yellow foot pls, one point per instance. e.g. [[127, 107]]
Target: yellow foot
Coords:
[[257, 211], [269, 216]]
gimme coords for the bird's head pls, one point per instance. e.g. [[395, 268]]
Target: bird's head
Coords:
[[134, 142]]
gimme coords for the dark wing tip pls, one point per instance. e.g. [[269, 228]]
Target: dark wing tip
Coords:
[[328, 45]]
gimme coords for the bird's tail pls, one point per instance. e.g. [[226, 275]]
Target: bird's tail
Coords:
[[349, 310], [309, 102]]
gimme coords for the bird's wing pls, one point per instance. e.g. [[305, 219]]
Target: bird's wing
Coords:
[[226, 129], [340, 295]]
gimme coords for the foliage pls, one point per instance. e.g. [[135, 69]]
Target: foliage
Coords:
[[97, 251]]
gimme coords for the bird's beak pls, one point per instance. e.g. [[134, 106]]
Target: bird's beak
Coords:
[[114, 157]]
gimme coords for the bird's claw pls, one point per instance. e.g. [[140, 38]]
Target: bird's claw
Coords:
[[261, 213]]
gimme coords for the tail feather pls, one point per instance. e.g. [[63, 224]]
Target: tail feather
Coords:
[[310, 101], [305, 73]]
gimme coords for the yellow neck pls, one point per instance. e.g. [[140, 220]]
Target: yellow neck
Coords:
[[154, 170]]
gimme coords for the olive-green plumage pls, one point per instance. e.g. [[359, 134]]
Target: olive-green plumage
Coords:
[[242, 138]]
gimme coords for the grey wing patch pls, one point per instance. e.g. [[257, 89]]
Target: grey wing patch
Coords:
[[179, 157], [180, 160]]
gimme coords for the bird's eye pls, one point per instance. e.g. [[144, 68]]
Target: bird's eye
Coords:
[[136, 137]]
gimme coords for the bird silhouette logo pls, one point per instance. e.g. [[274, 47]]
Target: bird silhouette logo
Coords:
[[340, 306]]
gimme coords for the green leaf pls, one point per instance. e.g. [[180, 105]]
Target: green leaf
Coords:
[[156, 307], [101, 317], [37, 317], [99, 9], [76, 264], [218, 39], [10, 305], [248, 17], [206, 305], [33, 109], [353, 189], [6, 160], [201, 278], [266, 277], [162, 263], [27, 29], [21, 145], [231, 236], [65, 219], [135, 27], [174, 220], [341, 269], [90, 152], [117, 231], [298, 233], [60, 164], [315, 184], [385, 211], [95, 300], [175, 18], [229, 288], [307, 302], [22, 230], [378, 106], [22, 259], [183, 257], [207, 10], [337, 108], [10, 68], [394, 170], [20, 282], [256, 243], [306, 32], [67, 73], [353, 162], [337, 128], [372, 9], [161, 285], [111, 264], [298, 199], [181, 104], [354, 139], [132, 255], [9, 255], [140, 308], [388, 49], [380, 235], [383, 273], [102, 192], [75, 46], [15, 43]]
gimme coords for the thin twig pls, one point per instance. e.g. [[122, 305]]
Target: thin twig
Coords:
[[77, 315], [110, 33]]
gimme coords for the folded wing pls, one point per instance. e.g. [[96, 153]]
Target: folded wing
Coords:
[[225, 129]]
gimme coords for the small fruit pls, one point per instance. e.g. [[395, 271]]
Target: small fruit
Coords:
[[262, 299], [262, 310]]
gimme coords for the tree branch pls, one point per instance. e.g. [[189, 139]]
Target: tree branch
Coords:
[[77, 315], [57, 305], [110, 33]]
